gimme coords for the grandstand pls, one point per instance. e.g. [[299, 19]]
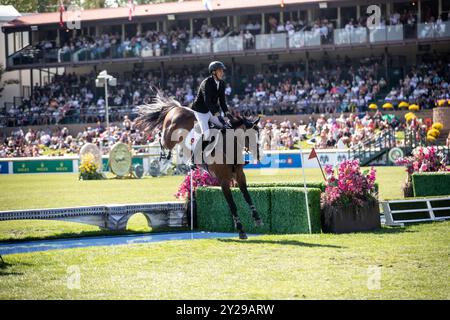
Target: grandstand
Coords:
[[292, 57]]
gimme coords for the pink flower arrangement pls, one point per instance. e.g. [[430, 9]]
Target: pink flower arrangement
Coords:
[[350, 186], [424, 160], [200, 178]]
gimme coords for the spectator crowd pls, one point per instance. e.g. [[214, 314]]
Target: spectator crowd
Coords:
[[319, 131], [331, 86], [58, 141]]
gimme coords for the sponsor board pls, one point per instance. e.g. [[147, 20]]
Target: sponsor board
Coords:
[[43, 166], [4, 167]]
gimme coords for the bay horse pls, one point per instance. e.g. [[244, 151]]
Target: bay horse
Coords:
[[170, 115]]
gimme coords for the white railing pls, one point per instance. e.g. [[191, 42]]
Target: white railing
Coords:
[[271, 41], [433, 30], [350, 36], [227, 44], [199, 46], [386, 33], [304, 39], [429, 206]]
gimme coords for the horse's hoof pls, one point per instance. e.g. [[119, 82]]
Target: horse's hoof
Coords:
[[259, 223], [243, 236]]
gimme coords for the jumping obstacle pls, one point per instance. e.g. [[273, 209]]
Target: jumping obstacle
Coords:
[[112, 217], [399, 212]]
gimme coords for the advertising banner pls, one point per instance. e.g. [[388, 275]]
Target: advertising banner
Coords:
[[275, 160], [4, 167], [43, 166]]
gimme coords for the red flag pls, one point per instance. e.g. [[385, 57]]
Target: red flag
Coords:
[[131, 9], [61, 11], [313, 154]]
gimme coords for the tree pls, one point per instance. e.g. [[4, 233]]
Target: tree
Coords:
[[53, 5], [22, 6], [92, 4]]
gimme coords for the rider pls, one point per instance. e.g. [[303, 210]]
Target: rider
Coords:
[[210, 99]]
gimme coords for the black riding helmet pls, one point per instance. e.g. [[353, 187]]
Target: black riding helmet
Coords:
[[213, 66]]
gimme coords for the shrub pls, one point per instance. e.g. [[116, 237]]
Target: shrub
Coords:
[[318, 185], [409, 116], [433, 132], [422, 160], [431, 184], [213, 213], [288, 210], [437, 126], [414, 107], [282, 209]]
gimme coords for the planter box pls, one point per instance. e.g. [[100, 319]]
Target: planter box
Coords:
[[351, 219]]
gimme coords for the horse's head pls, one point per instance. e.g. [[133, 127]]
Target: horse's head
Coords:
[[245, 123]]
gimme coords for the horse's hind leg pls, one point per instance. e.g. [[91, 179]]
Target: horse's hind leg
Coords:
[[237, 222], [241, 180]]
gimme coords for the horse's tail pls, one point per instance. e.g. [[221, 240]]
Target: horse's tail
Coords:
[[152, 115]]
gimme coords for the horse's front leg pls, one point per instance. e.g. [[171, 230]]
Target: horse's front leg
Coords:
[[242, 182], [237, 222]]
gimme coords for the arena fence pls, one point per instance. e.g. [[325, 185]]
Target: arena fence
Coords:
[[271, 160]]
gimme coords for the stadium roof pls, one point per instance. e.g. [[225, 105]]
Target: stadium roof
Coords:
[[158, 9]]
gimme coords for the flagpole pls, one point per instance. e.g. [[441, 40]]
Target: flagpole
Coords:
[[192, 189], [192, 202], [320, 166], [313, 154], [305, 190]]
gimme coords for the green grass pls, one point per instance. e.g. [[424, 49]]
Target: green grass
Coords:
[[413, 261]]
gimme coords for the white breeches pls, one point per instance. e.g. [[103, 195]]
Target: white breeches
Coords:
[[203, 119]]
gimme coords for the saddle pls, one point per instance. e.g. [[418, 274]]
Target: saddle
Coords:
[[226, 124]]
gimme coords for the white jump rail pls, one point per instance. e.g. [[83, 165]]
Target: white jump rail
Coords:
[[389, 213], [112, 216]]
